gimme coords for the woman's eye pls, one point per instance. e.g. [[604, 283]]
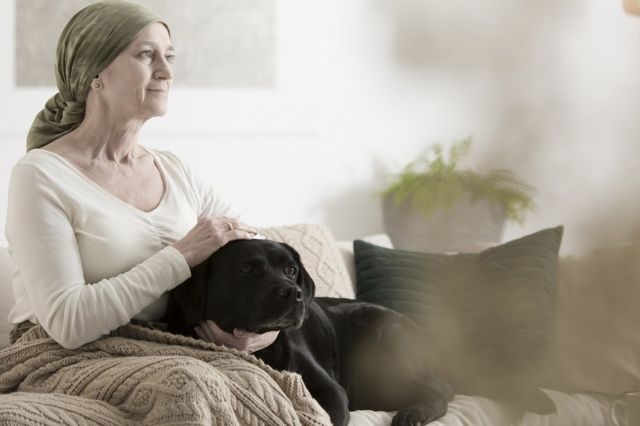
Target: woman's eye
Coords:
[[246, 269], [291, 271], [146, 54], [171, 58]]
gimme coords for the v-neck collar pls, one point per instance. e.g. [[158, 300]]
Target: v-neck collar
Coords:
[[91, 182]]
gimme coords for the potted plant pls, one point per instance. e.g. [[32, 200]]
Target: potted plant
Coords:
[[435, 205]]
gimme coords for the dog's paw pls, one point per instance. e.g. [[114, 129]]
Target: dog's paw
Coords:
[[414, 416]]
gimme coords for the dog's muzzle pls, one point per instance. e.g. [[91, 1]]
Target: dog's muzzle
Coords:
[[283, 307], [290, 293]]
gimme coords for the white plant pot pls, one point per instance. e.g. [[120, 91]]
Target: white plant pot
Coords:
[[471, 224]]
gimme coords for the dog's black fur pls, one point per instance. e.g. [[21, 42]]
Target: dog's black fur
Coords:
[[351, 355]]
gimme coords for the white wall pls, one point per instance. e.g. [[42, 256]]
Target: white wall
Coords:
[[556, 99]]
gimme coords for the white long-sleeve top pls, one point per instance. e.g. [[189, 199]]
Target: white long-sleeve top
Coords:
[[87, 262]]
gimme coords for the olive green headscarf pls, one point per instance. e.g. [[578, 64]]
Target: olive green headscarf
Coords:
[[90, 41]]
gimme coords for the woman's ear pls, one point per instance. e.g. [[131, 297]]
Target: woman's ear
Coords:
[[96, 83]]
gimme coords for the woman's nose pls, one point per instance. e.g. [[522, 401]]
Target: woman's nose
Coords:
[[163, 70]]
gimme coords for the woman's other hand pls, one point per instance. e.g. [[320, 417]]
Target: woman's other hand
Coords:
[[209, 234], [242, 340]]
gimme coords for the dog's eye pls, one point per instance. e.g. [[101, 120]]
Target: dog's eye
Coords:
[[246, 269], [291, 271]]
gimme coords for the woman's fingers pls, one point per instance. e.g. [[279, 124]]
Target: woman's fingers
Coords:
[[213, 328], [200, 332], [204, 333], [225, 224], [234, 229], [231, 224], [216, 335], [209, 234]]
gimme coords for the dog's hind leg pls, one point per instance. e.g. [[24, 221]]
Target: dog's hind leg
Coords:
[[419, 414], [433, 405]]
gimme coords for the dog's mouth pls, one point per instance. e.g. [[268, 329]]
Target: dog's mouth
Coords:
[[267, 319]]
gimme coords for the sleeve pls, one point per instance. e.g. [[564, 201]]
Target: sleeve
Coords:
[[209, 201], [45, 253]]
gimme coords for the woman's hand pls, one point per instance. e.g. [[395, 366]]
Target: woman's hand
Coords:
[[242, 340], [209, 234]]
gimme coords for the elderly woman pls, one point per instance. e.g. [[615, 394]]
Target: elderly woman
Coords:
[[100, 227]]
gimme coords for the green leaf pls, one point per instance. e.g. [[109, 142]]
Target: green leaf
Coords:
[[432, 181]]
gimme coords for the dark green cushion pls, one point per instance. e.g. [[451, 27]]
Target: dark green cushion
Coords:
[[489, 316]]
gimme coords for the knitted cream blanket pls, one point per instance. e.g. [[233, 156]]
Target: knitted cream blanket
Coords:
[[141, 376]]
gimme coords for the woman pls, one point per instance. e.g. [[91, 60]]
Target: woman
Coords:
[[99, 227]]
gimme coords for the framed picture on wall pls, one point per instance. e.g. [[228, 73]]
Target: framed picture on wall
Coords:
[[243, 67]]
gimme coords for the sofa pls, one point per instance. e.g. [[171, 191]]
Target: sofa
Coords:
[[581, 402]]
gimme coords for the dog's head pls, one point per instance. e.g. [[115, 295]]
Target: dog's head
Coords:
[[254, 285]]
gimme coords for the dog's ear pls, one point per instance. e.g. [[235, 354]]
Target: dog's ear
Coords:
[[304, 279], [306, 283], [190, 296]]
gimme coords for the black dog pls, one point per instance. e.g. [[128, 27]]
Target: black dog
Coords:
[[351, 355]]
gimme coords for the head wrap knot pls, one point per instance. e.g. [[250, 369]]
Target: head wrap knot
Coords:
[[64, 113], [90, 41]]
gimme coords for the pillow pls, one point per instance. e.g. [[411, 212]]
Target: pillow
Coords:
[[319, 254], [488, 316], [346, 250], [598, 315]]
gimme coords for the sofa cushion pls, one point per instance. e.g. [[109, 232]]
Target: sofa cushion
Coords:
[[488, 315], [598, 299], [319, 254]]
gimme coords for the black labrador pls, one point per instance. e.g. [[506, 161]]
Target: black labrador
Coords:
[[351, 355]]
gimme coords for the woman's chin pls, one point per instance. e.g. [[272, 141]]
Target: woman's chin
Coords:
[[157, 111]]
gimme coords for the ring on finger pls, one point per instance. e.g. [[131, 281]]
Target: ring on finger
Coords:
[[230, 225]]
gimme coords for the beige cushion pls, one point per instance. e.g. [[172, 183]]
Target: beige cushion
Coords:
[[319, 254], [6, 295], [598, 318]]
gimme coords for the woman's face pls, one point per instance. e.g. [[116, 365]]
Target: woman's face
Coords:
[[137, 83]]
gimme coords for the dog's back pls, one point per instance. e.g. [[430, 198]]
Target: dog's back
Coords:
[[373, 353]]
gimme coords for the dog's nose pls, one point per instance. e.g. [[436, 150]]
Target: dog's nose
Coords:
[[291, 292]]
